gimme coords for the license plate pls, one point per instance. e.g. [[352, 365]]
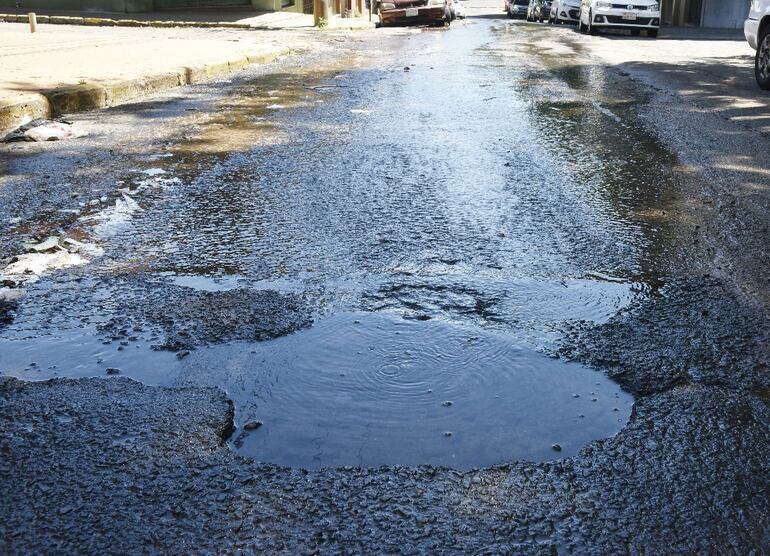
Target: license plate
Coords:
[[629, 16], [412, 12]]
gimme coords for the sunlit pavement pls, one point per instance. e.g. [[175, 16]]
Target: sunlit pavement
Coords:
[[473, 248]]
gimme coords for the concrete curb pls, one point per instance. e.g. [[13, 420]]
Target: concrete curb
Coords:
[[105, 22], [95, 95]]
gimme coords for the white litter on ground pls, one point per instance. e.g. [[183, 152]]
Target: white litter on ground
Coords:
[[111, 220], [11, 294], [46, 245], [154, 171], [30, 266], [54, 131]]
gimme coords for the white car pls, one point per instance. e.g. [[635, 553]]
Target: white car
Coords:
[[517, 8], [459, 9], [757, 31], [565, 11], [634, 15]]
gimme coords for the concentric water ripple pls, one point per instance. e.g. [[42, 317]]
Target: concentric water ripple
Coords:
[[372, 389]]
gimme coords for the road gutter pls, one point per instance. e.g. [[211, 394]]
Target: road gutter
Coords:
[[95, 95]]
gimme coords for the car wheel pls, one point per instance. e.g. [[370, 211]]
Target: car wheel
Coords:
[[762, 60], [652, 33], [591, 29]]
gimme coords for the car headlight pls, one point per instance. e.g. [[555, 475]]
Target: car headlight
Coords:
[[603, 5], [387, 6], [654, 7]]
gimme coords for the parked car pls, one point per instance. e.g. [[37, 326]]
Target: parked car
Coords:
[[565, 11], [415, 12], [538, 10], [459, 9], [757, 31], [636, 16], [517, 8]]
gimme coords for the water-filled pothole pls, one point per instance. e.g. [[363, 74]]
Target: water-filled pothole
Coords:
[[372, 389], [354, 388]]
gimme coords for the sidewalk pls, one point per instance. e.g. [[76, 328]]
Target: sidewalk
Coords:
[[711, 68], [62, 69], [222, 17]]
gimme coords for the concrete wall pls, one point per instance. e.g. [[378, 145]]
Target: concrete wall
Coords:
[[726, 14]]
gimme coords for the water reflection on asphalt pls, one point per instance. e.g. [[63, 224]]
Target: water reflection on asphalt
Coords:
[[439, 224]]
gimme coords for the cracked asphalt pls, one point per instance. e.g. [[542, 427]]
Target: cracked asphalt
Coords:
[[493, 206]]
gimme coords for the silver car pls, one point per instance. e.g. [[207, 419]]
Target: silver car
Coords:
[[565, 11]]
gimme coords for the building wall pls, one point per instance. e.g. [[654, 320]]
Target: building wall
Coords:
[[728, 14], [724, 14]]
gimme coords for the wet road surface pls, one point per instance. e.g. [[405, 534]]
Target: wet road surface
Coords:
[[428, 219], [417, 255]]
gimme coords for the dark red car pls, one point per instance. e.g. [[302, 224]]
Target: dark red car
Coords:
[[417, 12]]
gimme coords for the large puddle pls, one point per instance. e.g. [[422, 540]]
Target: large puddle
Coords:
[[375, 389], [362, 388]]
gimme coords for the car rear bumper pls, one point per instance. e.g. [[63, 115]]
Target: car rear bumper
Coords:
[[751, 30], [425, 14], [614, 19]]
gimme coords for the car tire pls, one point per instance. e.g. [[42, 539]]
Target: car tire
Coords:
[[762, 59], [652, 33]]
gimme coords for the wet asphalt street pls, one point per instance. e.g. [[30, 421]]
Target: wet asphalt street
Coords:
[[445, 294]]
